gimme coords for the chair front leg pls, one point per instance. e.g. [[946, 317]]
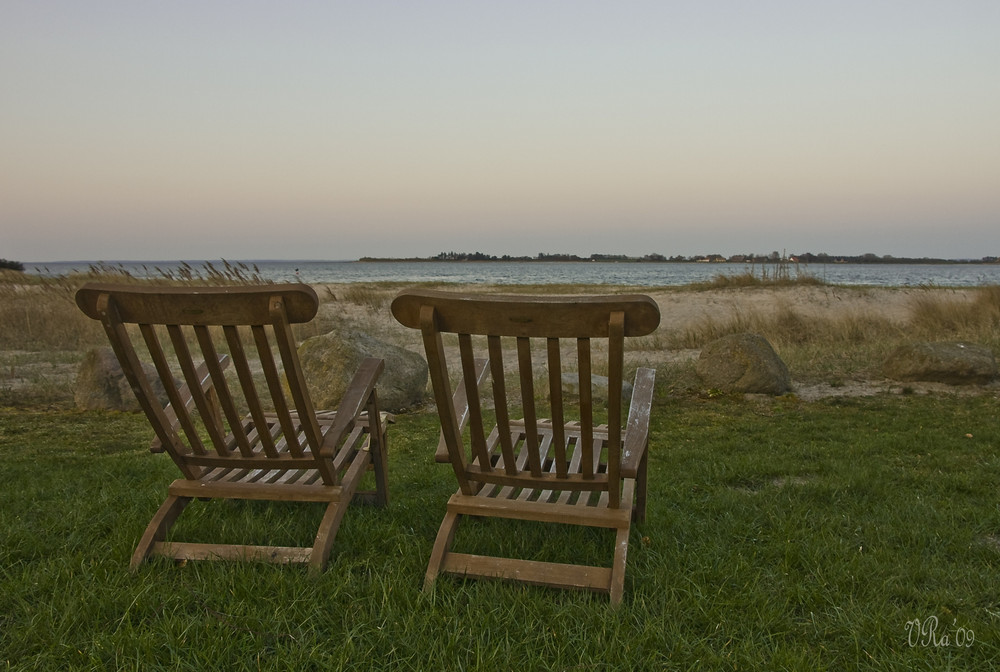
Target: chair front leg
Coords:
[[641, 480], [445, 535], [157, 529]]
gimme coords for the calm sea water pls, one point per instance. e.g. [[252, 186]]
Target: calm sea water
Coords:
[[544, 273]]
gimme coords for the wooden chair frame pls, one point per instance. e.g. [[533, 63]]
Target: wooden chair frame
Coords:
[[233, 437], [563, 470]]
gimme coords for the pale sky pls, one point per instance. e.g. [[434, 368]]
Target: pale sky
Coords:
[[207, 129]]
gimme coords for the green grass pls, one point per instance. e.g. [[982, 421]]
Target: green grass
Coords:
[[780, 535]]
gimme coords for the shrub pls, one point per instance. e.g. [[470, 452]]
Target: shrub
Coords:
[[11, 265]]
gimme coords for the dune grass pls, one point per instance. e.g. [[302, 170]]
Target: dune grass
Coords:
[[43, 334], [781, 535], [780, 276], [852, 345]]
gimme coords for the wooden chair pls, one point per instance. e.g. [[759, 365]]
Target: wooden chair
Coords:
[[565, 469], [246, 435]]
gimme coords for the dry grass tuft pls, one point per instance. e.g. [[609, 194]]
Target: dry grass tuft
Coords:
[[779, 275], [976, 320], [40, 313], [372, 297]]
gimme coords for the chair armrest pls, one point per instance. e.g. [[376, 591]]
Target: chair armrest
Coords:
[[187, 399], [637, 426], [461, 403], [353, 403]]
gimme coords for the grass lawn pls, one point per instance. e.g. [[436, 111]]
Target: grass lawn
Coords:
[[781, 534]]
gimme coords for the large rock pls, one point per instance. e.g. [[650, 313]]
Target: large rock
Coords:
[[101, 383], [330, 361], [954, 363], [743, 363]]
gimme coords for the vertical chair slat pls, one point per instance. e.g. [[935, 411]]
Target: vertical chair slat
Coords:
[[437, 367], [233, 416], [477, 433], [276, 390], [528, 404], [171, 388], [209, 417], [242, 365], [616, 362], [495, 349], [586, 407], [293, 372], [556, 402]]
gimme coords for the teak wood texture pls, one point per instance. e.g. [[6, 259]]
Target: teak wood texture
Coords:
[[567, 468], [216, 372]]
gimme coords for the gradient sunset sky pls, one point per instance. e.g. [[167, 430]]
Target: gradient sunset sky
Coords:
[[142, 130]]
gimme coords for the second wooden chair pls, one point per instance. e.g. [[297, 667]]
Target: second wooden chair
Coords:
[[567, 468]]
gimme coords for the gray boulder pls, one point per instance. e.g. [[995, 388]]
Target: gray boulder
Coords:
[[329, 362], [743, 363], [101, 383], [954, 363]]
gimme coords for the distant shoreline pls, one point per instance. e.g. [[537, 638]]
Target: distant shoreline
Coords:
[[710, 259]]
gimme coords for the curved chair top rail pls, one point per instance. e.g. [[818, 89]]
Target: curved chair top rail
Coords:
[[525, 315], [193, 305]]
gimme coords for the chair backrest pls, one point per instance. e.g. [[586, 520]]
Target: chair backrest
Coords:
[[190, 335], [551, 322]]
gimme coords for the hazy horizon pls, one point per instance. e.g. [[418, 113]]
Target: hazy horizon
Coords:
[[787, 255], [308, 130]]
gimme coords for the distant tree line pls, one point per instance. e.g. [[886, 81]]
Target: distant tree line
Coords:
[[750, 258], [11, 265]]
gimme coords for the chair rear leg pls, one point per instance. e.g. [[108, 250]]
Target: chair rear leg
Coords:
[[445, 535], [380, 463], [157, 529], [378, 449]]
